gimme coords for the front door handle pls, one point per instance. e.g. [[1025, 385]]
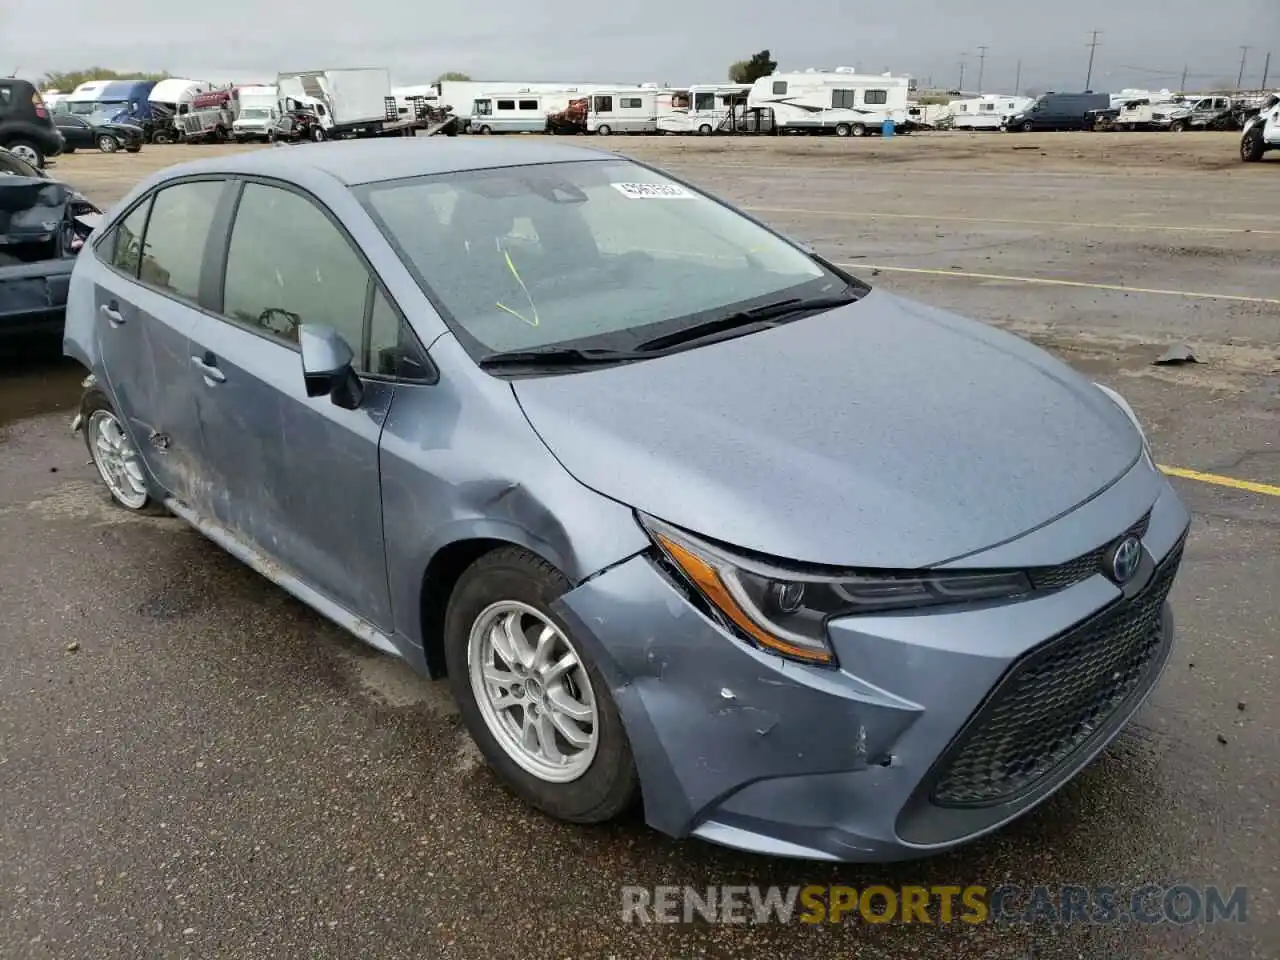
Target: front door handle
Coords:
[[112, 312], [209, 370]]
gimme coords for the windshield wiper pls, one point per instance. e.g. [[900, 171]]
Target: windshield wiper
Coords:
[[768, 315], [558, 357]]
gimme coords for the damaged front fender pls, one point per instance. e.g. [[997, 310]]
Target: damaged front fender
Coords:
[[707, 715]]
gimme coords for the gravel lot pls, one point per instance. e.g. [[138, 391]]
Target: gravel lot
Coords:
[[193, 764]]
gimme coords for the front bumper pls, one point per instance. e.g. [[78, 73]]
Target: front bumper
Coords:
[[745, 749]]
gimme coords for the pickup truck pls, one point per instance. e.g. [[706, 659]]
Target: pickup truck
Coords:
[[43, 226]]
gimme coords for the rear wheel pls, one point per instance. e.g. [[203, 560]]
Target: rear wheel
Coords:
[[536, 705], [163, 137], [842, 129], [28, 151], [858, 130], [117, 459], [1028, 127], [1252, 147]]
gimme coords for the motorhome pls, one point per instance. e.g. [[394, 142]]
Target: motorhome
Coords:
[[258, 113], [988, 112], [167, 98], [703, 108], [518, 112], [461, 94], [623, 110], [841, 101], [346, 103]]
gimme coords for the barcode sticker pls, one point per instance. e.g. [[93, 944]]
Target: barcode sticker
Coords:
[[652, 191]]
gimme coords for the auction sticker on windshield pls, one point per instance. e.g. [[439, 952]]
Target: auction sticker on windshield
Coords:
[[652, 191]]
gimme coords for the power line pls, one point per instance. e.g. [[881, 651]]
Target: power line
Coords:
[[1093, 46], [982, 63]]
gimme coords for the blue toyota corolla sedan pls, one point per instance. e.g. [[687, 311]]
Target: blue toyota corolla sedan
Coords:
[[686, 514]]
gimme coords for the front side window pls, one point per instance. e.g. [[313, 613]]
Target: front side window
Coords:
[[597, 253], [6, 96], [177, 231], [124, 249], [484, 107], [288, 264], [604, 104], [704, 101]]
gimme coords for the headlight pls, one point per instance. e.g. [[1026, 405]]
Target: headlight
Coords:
[[1123, 404], [785, 611]]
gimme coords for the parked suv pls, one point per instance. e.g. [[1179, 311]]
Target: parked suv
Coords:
[[26, 126]]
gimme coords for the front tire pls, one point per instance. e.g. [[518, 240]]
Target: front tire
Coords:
[[1252, 147], [533, 701], [112, 451], [108, 144], [602, 130]]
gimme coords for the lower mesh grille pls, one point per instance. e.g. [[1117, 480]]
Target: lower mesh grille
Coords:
[[1055, 700]]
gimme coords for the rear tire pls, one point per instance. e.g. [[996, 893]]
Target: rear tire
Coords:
[[858, 130], [28, 151], [843, 129], [112, 451], [512, 586], [1028, 127]]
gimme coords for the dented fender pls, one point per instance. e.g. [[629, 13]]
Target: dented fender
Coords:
[[706, 714]]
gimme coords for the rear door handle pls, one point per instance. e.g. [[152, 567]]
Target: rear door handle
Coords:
[[112, 312], [208, 368]]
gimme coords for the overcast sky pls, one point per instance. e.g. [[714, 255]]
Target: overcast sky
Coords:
[[1143, 43]]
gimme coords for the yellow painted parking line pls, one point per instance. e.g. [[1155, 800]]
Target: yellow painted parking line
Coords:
[[1266, 489], [1049, 281], [1007, 221]]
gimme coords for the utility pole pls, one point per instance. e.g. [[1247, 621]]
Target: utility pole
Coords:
[[1093, 45], [1266, 68], [1017, 83], [962, 66], [1244, 53], [982, 65], [1182, 87]]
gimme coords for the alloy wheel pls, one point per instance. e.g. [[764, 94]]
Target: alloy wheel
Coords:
[[117, 461], [533, 691]]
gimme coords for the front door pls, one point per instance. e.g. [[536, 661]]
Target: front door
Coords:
[[145, 309], [296, 477]]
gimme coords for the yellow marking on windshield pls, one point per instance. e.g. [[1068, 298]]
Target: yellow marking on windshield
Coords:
[[532, 306]]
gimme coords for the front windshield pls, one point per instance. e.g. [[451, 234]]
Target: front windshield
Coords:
[[253, 113], [600, 253]]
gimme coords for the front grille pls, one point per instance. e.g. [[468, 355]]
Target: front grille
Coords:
[[1056, 700], [1083, 567]]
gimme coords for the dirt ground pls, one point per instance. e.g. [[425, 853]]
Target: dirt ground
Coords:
[[191, 764]]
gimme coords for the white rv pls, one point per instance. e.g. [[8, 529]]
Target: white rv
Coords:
[[840, 102], [989, 112], [624, 110], [703, 108], [519, 112]]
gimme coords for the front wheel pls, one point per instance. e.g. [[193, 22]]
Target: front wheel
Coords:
[[117, 459], [108, 144], [1178, 126], [532, 699], [1028, 127], [705, 130], [602, 130], [317, 134], [1252, 147]]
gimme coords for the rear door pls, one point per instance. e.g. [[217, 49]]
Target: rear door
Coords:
[[296, 477], [146, 291]]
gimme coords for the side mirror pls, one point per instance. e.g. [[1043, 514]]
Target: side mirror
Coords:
[[326, 366]]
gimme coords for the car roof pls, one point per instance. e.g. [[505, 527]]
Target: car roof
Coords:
[[391, 158]]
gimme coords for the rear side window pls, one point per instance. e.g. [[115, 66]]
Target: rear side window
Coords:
[[125, 245], [6, 97], [288, 264], [173, 253]]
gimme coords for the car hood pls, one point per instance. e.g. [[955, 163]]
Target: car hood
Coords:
[[881, 434]]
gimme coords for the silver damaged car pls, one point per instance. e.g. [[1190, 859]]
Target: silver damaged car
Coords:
[[687, 515]]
